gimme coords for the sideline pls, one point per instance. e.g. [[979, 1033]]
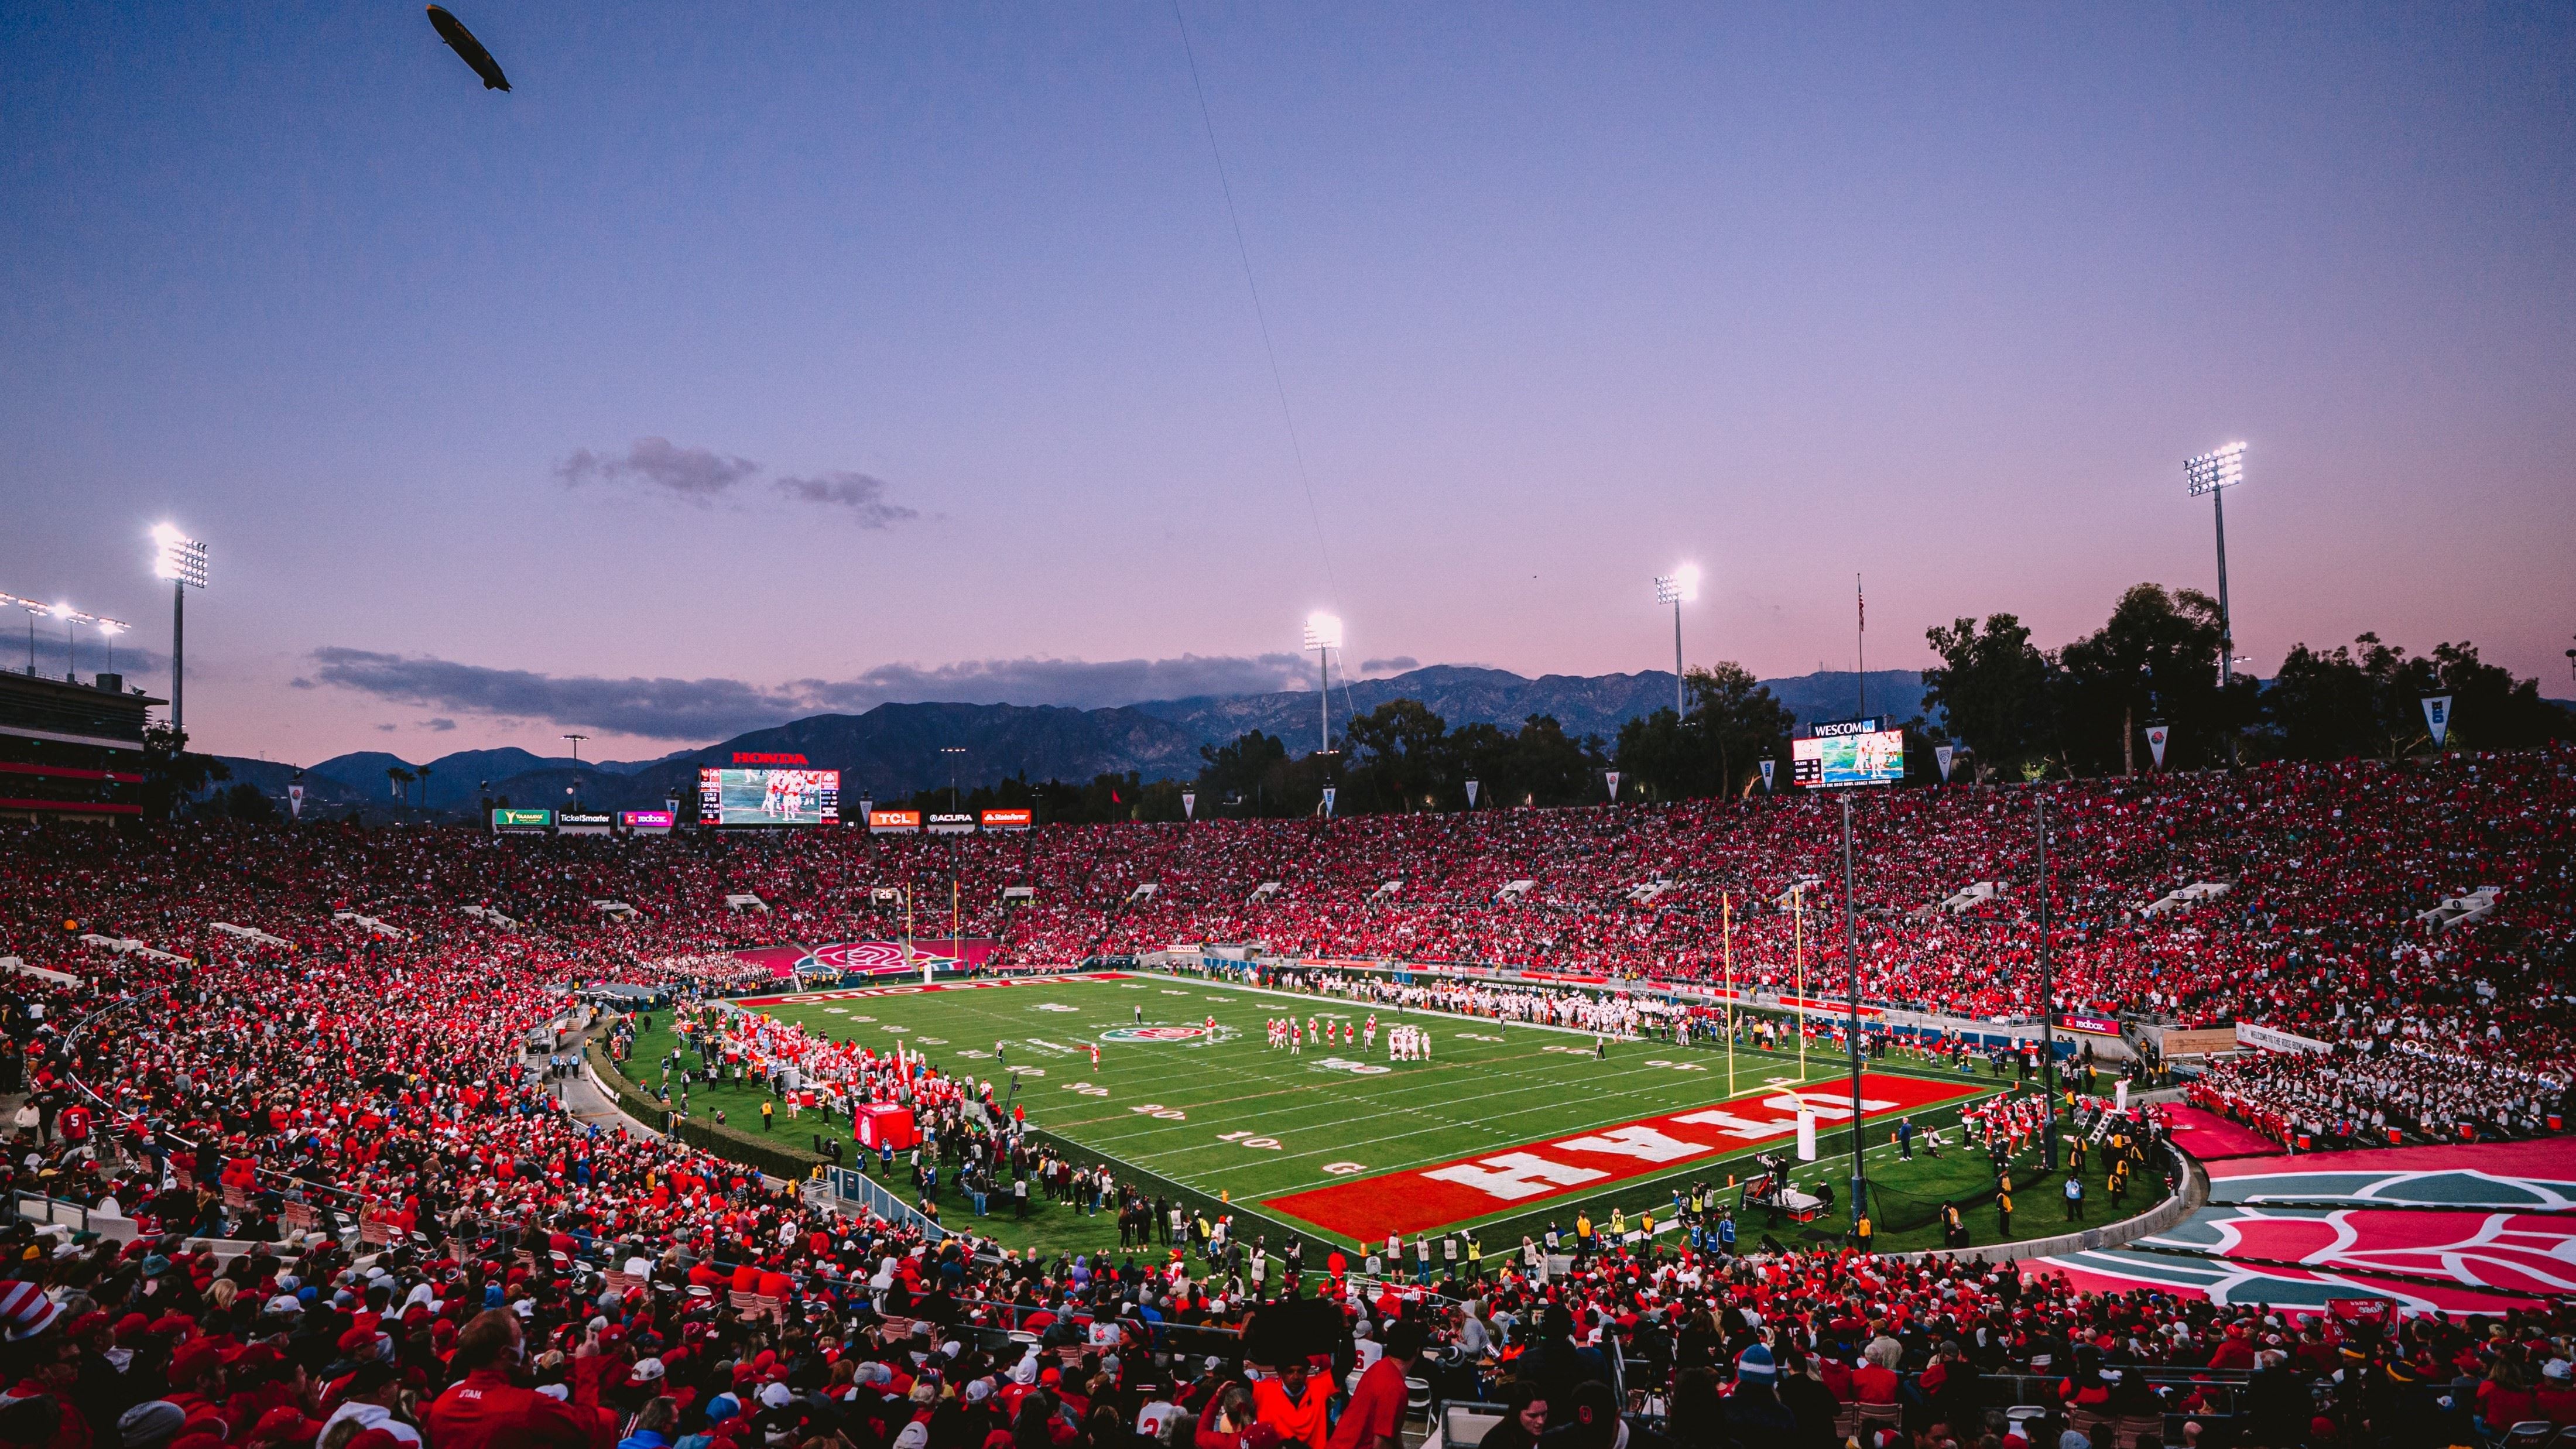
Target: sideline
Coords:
[[2188, 1198]]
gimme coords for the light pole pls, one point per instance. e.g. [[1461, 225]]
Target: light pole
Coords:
[[1323, 635], [181, 560], [2213, 474], [1851, 965], [568, 789], [2047, 1015], [952, 752], [1677, 588]]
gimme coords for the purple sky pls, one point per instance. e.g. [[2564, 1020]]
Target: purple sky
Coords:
[[889, 349]]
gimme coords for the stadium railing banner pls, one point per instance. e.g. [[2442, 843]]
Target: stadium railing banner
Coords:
[[2193, 1041], [2271, 1040], [2098, 1025]]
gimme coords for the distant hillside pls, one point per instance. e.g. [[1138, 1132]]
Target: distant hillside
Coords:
[[1584, 704], [894, 749]]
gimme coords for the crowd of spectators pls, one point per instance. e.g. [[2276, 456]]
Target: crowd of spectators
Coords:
[[265, 1036]]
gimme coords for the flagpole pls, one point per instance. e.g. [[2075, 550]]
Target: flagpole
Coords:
[[1726, 917]]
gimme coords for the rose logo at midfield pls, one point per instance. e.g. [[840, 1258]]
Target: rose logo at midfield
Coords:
[[1167, 1034]]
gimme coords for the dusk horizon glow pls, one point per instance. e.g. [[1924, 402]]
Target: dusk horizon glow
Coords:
[[820, 357]]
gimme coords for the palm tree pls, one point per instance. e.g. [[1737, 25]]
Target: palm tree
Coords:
[[424, 787], [399, 777]]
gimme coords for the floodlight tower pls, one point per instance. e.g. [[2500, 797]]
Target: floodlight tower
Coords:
[[1324, 635], [2214, 474], [1677, 588], [181, 560]]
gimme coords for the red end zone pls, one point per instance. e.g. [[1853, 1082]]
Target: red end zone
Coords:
[[915, 988], [1540, 1172]]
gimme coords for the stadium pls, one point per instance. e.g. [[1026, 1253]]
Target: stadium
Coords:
[[1147, 1035]]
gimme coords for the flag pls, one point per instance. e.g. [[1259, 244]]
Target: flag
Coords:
[[2437, 717], [1862, 600]]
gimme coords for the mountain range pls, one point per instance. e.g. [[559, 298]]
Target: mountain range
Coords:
[[895, 749]]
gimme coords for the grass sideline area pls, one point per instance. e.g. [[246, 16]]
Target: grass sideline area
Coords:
[[1225, 1121]]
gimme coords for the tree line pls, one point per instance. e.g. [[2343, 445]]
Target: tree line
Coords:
[[2023, 712], [2010, 709]]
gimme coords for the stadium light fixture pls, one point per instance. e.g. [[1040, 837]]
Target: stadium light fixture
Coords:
[[1324, 635], [182, 561], [71, 617], [1677, 588], [2213, 473]]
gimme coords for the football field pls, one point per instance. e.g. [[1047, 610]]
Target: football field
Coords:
[[1507, 1126]]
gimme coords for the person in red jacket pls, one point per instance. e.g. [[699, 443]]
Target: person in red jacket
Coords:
[[487, 1409]]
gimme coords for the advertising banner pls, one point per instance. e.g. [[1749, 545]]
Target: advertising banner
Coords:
[[2248, 1034], [1009, 819], [657, 821], [2180, 1041], [888, 822], [584, 822], [2099, 1025], [956, 824], [522, 822]]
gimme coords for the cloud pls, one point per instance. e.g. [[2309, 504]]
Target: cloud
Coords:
[[440, 725], [386, 728], [697, 474], [862, 495], [1396, 664], [704, 710], [56, 656], [702, 475]]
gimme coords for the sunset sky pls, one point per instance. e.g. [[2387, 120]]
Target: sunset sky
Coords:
[[804, 357]]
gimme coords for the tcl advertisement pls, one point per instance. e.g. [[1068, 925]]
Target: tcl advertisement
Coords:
[[1009, 819], [887, 822], [769, 797]]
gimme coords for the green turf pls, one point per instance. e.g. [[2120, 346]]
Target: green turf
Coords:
[[1204, 1114]]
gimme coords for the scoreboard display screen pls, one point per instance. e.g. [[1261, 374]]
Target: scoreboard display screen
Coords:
[[1842, 756], [769, 797]]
